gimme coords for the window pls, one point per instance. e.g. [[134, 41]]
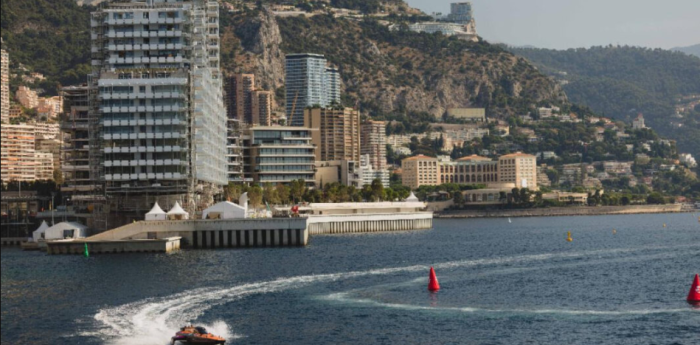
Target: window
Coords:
[[142, 88], [145, 15]]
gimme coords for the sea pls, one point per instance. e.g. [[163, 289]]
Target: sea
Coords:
[[621, 280]]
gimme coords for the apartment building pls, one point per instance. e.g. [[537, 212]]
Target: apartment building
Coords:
[[309, 82], [339, 130], [373, 143], [27, 97], [238, 96], [4, 86], [43, 165], [368, 174], [468, 170], [158, 102], [261, 108], [279, 154], [51, 146], [234, 150], [17, 153]]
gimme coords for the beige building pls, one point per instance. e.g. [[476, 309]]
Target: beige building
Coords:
[[4, 86], [49, 106], [469, 114], [44, 165], [419, 171], [27, 97], [52, 146], [373, 143], [46, 130], [518, 168], [469, 170], [339, 133], [17, 153]]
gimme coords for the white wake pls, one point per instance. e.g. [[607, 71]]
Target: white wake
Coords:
[[155, 320]]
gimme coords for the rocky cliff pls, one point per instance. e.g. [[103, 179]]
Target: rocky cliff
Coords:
[[387, 71]]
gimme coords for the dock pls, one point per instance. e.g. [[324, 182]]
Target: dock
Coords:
[[165, 245]]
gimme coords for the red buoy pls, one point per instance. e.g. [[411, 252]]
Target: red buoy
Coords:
[[694, 294], [433, 282]]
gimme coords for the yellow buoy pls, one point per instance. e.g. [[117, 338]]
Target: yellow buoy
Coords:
[[614, 231], [568, 237], [664, 225]]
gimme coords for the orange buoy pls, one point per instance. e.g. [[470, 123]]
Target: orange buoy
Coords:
[[694, 294], [433, 284]]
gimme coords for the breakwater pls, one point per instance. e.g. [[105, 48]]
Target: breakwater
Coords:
[[354, 223], [562, 211]]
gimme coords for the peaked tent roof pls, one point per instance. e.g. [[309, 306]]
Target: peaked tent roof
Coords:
[[177, 209], [42, 227], [411, 197], [156, 209]]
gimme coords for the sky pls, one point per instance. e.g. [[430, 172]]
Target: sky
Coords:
[[562, 24]]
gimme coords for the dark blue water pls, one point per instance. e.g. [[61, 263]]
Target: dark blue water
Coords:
[[502, 283]]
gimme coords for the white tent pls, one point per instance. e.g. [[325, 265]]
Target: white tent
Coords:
[[224, 210], [156, 213], [65, 230], [39, 233], [177, 213], [411, 198]]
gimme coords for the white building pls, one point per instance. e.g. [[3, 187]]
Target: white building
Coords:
[[225, 210], [66, 230], [638, 123], [159, 101], [368, 173], [4, 86]]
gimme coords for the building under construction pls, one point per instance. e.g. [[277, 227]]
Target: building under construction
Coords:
[[156, 123]]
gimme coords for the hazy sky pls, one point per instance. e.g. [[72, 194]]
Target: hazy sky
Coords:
[[582, 23]]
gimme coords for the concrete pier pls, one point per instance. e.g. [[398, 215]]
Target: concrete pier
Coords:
[[165, 245], [356, 223], [12, 241]]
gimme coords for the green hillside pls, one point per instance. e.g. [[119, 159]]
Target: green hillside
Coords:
[[622, 81], [50, 37]]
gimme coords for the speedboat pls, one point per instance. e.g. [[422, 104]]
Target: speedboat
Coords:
[[196, 335]]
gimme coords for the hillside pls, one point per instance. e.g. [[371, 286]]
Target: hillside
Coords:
[[50, 37], [388, 73], [619, 82], [690, 50]]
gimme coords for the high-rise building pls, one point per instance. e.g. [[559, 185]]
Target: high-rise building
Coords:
[[374, 143], [234, 151], [309, 82], [261, 108], [4, 86], [17, 153], [76, 156], [238, 96], [156, 102], [339, 133]]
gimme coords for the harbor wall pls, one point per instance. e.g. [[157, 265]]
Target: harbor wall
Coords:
[[356, 223], [165, 245], [562, 211], [217, 233], [12, 241]]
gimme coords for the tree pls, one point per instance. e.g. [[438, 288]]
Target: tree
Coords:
[[458, 198], [233, 191], [255, 195], [282, 193], [298, 190], [270, 194], [625, 200], [515, 195], [377, 190], [656, 199], [58, 176]]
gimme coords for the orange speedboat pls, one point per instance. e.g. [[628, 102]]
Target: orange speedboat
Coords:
[[196, 335]]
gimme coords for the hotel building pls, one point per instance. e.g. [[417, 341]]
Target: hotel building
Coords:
[[4, 86]]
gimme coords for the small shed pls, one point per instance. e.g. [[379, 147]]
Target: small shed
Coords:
[[40, 232], [224, 210], [66, 230], [156, 213], [177, 213]]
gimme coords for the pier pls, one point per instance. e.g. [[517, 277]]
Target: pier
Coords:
[[356, 223], [165, 245]]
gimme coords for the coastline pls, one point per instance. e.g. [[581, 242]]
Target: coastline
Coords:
[[563, 211]]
